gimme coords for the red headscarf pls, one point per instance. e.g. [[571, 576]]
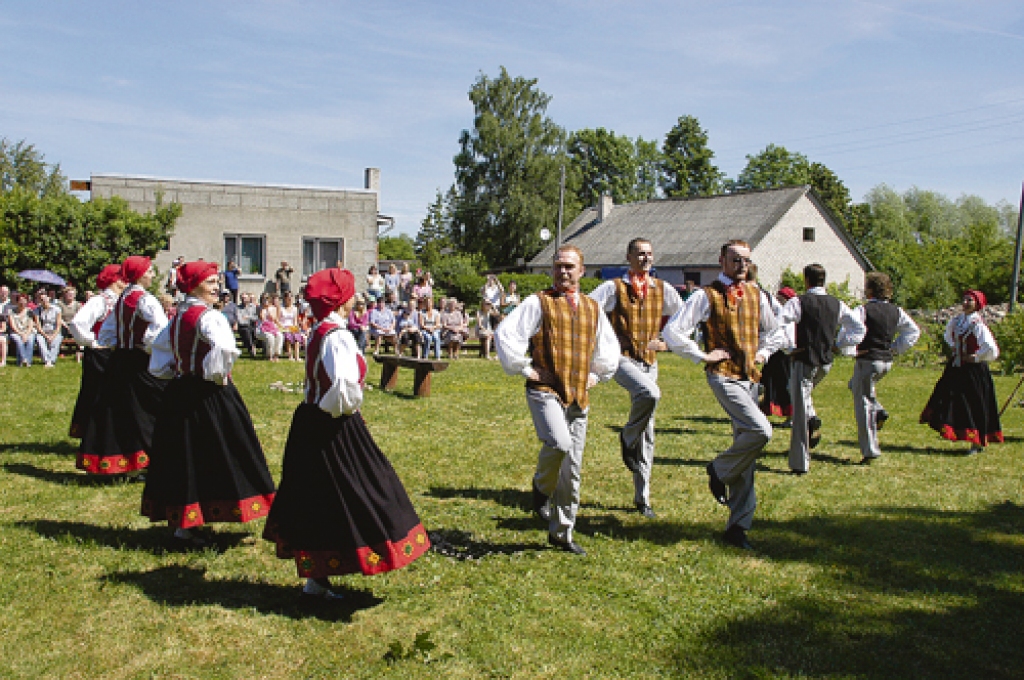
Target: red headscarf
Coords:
[[979, 298], [787, 292], [108, 276], [134, 268], [191, 274], [329, 289]]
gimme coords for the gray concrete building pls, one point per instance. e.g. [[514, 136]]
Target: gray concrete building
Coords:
[[260, 226]]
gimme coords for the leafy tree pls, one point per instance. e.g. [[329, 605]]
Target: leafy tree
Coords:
[[832, 191], [399, 247], [686, 164], [507, 172], [22, 165], [773, 168], [607, 163]]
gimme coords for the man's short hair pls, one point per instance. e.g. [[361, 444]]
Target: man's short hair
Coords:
[[814, 275], [634, 245], [733, 242], [878, 285], [568, 247]]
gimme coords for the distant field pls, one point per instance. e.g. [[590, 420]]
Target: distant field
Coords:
[[910, 568]]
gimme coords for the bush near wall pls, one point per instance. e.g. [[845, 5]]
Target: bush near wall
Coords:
[[1009, 334]]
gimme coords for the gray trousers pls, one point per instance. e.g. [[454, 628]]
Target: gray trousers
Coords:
[[751, 432], [562, 431], [641, 381], [802, 382], [866, 374]]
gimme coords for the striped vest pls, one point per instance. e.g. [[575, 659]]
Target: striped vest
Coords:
[[563, 347], [734, 327], [318, 380], [187, 345], [131, 327], [636, 320]]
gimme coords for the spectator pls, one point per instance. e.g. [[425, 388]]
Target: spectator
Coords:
[[374, 284], [359, 322], [408, 329], [392, 281], [484, 329], [429, 321], [3, 340], [421, 290], [392, 303], [269, 330], [48, 330], [68, 307], [511, 298], [6, 304], [494, 293], [230, 310], [171, 283], [382, 325], [405, 283], [454, 328], [230, 280], [167, 302], [294, 338], [248, 318], [22, 329], [283, 278]]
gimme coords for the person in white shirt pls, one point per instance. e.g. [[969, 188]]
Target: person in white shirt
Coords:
[[573, 347]]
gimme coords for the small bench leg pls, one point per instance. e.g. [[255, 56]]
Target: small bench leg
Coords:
[[388, 377], [422, 379]]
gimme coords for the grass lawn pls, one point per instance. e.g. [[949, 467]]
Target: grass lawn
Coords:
[[910, 568]]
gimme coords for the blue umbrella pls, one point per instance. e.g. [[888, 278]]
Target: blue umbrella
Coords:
[[42, 276]]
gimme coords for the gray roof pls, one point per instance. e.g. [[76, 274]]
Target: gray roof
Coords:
[[684, 231]]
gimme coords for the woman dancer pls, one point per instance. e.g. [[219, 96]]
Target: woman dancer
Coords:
[[119, 437], [775, 374], [963, 404], [208, 465], [85, 327], [341, 508]]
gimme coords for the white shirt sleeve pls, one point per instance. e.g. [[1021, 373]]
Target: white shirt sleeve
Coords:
[[86, 317], [108, 331], [605, 360], [338, 356], [673, 300], [791, 312], [852, 328], [161, 357], [604, 295], [678, 332], [512, 337], [771, 336], [215, 329], [150, 309], [988, 350], [907, 333]]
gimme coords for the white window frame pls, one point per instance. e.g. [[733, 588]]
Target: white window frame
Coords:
[[238, 255]]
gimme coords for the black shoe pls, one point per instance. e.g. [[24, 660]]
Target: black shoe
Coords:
[[813, 431], [716, 485], [646, 510], [630, 454], [567, 546], [798, 473], [736, 536], [867, 460], [179, 544], [880, 419], [540, 504]]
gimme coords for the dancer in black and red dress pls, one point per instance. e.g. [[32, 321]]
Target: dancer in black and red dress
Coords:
[[775, 400], [341, 508], [118, 438], [208, 465], [963, 404], [85, 327]]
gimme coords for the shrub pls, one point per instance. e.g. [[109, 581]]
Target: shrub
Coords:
[[1009, 335]]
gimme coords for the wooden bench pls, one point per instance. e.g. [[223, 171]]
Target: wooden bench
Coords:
[[423, 369]]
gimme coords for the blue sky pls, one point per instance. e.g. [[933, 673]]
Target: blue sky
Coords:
[[907, 93]]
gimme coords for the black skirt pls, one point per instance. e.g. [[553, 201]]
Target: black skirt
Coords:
[[963, 405], [94, 365], [207, 463], [775, 380], [119, 436], [341, 508]]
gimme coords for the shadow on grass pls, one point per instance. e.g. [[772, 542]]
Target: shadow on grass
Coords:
[[716, 420], [66, 478], [153, 539], [59, 447], [923, 594], [687, 462], [510, 498], [916, 450], [181, 586], [460, 545], [657, 532]]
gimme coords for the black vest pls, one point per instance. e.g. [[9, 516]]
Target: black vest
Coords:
[[881, 319], [816, 332]]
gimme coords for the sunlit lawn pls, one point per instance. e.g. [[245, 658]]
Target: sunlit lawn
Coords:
[[910, 568]]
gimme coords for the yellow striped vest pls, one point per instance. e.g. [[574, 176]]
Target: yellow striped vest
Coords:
[[564, 345]]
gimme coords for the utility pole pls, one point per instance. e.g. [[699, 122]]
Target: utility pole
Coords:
[[561, 208], [1015, 282]]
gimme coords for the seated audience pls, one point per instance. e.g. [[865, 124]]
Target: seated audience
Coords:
[[382, 326]]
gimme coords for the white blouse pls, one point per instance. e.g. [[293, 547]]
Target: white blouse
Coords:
[[94, 309], [214, 329], [149, 309], [338, 353]]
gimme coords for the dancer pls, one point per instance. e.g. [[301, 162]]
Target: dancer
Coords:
[[208, 465], [85, 327], [118, 438], [963, 404], [572, 347], [775, 399], [635, 305], [341, 508], [890, 331], [741, 332]]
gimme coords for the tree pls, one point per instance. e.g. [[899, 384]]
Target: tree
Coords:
[[399, 247], [22, 165], [507, 172], [686, 167], [773, 168], [606, 163], [832, 191], [435, 235]]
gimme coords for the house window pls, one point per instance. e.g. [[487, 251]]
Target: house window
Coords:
[[248, 252], [321, 253], [809, 234]]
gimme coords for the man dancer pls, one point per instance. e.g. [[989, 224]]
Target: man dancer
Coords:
[[889, 331], [817, 316], [741, 332], [635, 305], [572, 347]]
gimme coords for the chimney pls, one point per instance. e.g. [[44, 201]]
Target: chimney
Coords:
[[604, 207], [373, 179]]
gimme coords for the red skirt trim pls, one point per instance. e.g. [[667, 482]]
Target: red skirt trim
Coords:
[[369, 560], [973, 436], [197, 514], [783, 411], [112, 465]]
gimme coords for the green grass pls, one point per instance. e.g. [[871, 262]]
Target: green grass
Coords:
[[910, 568]]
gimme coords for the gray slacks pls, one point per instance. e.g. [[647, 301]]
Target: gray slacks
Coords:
[[562, 431], [751, 432], [802, 382], [641, 381], [866, 374]]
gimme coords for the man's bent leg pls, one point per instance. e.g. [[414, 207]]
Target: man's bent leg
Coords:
[[552, 424], [641, 381]]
